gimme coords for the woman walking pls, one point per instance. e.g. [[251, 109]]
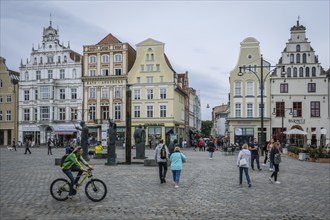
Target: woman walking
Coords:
[[267, 155], [211, 149], [275, 159], [177, 158], [243, 161]]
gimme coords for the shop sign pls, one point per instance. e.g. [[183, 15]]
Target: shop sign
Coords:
[[297, 121]]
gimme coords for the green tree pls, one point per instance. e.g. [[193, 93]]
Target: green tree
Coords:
[[206, 128]]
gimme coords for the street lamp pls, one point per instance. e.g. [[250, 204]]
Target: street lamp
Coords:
[[261, 80], [283, 110]]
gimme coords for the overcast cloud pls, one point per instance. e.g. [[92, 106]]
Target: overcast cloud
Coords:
[[200, 37]]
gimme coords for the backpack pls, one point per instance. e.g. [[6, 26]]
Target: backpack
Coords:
[[63, 159], [163, 153], [277, 158]]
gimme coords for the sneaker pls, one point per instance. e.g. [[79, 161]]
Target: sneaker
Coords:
[[249, 185], [264, 164], [259, 169], [176, 186], [270, 179], [277, 182], [271, 170]]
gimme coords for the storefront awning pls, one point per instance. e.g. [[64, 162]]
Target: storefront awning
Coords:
[[64, 133], [66, 129]]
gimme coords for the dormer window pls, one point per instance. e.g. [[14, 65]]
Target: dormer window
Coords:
[[298, 48], [26, 76]]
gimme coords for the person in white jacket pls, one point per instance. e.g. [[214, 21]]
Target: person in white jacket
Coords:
[[243, 161]]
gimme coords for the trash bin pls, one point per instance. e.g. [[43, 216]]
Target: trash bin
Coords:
[[285, 150], [302, 156]]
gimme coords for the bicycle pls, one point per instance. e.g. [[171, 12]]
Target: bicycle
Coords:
[[95, 189]]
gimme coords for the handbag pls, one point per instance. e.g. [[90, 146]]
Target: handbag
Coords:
[[242, 162]]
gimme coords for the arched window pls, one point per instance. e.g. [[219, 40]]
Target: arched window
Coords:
[[147, 56], [105, 58], [313, 71], [92, 59], [65, 59], [35, 60], [118, 58], [295, 72], [74, 73], [58, 59], [298, 58], [307, 71], [149, 50], [291, 58], [288, 72], [301, 72], [40, 60], [304, 58], [298, 48], [26, 76], [152, 56], [250, 68]]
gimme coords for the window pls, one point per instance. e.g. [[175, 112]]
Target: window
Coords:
[[117, 92], [298, 48], [295, 72], [150, 79], [38, 74], [298, 58], [304, 58], [105, 93], [137, 111], [117, 72], [36, 94], [297, 110], [137, 94], [162, 111], [35, 114], [26, 114], [58, 59], [50, 59], [150, 94], [8, 115], [162, 93], [311, 87], [313, 71], [74, 73], [152, 57], [238, 110], [105, 72], [148, 57], [64, 59], [118, 58], [150, 111], [26, 95], [161, 79], [307, 71], [138, 80], [288, 72], [50, 74], [62, 74], [284, 88], [8, 99], [249, 107], [142, 68], [0, 115], [150, 67], [0, 99], [92, 72], [92, 93], [74, 93], [26, 76], [62, 114], [44, 113], [105, 59], [92, 112], [92, 59], [62, 94], [105, 112], [41, 60], [157, 67], [74, 113], [301, 72], [44, 92], [280, 106], [238, 89], [291, 58], [315, 109], [117, 111], [249, 88], [35, 61]]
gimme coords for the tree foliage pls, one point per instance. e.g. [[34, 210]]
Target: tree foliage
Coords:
[[206, 128]]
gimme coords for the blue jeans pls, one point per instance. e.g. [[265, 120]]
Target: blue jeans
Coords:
[[270, 164], [246, 171], [176, 176], [73, 181]]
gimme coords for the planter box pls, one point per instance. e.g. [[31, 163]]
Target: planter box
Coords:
[[324, 160], [311, 159], [296, 156]]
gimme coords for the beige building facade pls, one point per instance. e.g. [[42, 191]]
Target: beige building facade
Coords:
[[8, 104]]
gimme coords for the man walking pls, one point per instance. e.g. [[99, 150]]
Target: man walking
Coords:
[[14, 144], [161, 157], [27, 146], [254, 148]]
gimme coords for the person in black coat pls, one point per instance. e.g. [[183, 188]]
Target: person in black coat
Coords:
[[211, 149], [275, 150]]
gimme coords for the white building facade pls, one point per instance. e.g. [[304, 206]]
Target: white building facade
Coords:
[[195, 121], [303, 89], [50, 91]]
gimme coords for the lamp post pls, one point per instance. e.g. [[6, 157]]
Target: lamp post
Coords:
[[283, 110], [128, 144], [261, 80]]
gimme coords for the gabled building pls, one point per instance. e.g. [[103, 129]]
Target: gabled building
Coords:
[[245, 112], [195, 121], [302, 88], [159, 94], [105, 68], [50, 91], [8, 104], [219, 119]]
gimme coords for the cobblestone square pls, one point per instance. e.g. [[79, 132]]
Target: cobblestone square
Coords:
[[208, 190]]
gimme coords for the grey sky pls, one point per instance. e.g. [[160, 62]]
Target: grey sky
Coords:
[[202, 37]]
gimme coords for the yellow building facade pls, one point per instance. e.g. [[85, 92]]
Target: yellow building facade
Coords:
[[245, 99], [158, 94]]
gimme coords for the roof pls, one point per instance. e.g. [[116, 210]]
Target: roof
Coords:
[[169, 64], [109, 39], [298, 27], [150, 42]]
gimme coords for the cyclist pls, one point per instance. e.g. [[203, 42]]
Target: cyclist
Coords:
[[72, 163]]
